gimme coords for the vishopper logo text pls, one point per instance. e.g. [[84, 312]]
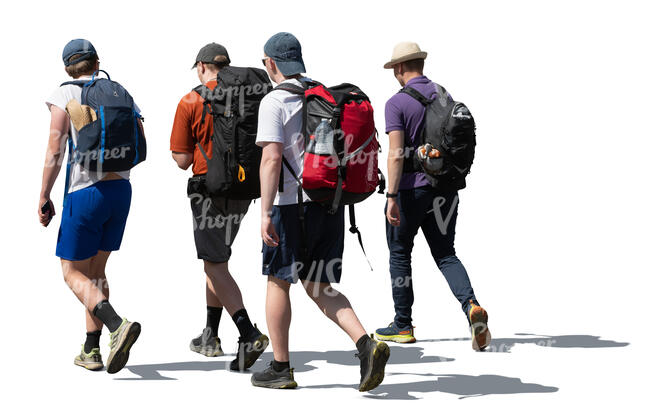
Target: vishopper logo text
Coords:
[[207, 220], [220, 93]]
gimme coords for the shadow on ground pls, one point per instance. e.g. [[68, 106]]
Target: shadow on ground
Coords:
[[299, 359], [462, 385], [557, 341]]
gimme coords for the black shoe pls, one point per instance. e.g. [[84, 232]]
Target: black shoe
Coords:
[[207, 344], [373, 361], [249, 349], [270, 378]]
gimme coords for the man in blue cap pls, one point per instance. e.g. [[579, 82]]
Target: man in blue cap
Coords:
[[94, 216], [280, 134]]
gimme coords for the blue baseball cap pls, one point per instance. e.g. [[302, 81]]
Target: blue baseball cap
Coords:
[[286, 51], [81, 47]]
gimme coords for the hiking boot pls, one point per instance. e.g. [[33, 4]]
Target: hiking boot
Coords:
[[121, 342], [373, 361], [91, 361], [391, 333], [207, 344], [248, 350], [270, 378], [478, 319]]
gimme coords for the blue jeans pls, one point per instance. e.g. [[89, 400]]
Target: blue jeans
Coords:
[[435, 212]]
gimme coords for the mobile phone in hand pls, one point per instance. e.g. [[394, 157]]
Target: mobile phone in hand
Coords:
[[46, 208]]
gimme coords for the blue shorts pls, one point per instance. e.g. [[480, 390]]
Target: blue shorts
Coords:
[[325, 234], [93, 219]]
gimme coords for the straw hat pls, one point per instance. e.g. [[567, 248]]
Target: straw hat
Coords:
[[405, 51], [80, 115]]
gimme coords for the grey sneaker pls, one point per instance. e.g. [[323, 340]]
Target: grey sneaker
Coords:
[[270, 378], [207, 344], [91, 361], [121, 342]]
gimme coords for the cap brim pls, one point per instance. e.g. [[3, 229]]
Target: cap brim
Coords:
[[412, 56], [291, 68]]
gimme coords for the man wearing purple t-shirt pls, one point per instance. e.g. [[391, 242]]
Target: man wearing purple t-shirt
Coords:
[[413, 203]]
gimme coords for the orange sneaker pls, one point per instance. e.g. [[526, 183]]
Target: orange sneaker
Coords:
[[478, 319]]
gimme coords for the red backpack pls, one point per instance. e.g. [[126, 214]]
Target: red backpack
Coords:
[[340, 166]]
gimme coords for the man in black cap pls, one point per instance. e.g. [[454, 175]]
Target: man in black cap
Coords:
[[280, 134], [95, 210], [216, 219]]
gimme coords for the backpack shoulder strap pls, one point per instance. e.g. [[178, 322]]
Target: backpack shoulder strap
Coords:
[[416, 95], [204, 92], [295, 89], [79, 83]]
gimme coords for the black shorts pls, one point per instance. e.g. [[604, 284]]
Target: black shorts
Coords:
[[324, 236], [216, 222]]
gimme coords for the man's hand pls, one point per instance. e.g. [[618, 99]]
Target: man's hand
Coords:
[[45, 218], [392, 212], [269, 236]]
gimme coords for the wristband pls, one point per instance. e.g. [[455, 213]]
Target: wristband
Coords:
[[391, 195]]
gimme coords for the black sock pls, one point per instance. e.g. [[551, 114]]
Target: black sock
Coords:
[[92, 341], [105, 313], [279, 366], [363, 343], [243, 323], [214, 317]]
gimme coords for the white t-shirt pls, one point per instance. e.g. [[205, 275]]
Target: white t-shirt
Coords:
[[280, 120], [79, 177]]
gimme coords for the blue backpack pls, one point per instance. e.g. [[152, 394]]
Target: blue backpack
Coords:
[[115, 141]]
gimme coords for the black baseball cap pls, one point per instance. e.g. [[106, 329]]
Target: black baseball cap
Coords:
[[209, 54], [81, 47], [286, 51]]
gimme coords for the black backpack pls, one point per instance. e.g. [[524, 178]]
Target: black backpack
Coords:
[[233, 167], [444, 148]]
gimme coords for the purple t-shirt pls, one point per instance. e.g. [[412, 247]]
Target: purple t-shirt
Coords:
[[404, 113]]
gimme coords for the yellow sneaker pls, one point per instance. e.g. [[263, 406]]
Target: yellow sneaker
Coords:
[[391, 333], [91, 361]]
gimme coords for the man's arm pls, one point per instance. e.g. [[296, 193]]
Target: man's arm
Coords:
[[395, 166], [59, 126], [270, 168], [182, 142], [183, 159]]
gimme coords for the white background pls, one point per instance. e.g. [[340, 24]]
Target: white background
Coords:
[[553, 226]]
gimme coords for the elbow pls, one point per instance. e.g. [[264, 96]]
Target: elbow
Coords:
[[183, 165], [183, 161], [272, 160]]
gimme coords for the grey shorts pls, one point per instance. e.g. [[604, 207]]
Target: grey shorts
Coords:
[[216, 222]]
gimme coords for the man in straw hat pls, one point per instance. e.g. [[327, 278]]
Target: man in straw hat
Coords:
[[95, 210], [413, 204], [192, 127]]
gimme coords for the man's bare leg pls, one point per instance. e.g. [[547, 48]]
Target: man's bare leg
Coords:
[[251, 341], [76, 276], [211, 297], [225, 289], [278, 316], [336, 307], [97, 273]]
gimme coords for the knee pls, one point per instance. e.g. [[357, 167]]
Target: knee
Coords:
[[445, 260], [214, 268], [275, 283]]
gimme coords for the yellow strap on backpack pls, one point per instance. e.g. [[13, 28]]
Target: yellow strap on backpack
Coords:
[[242, 174]]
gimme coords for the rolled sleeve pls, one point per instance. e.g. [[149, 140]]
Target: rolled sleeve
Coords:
[[270, 126], [394, 117], [182, 139]]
